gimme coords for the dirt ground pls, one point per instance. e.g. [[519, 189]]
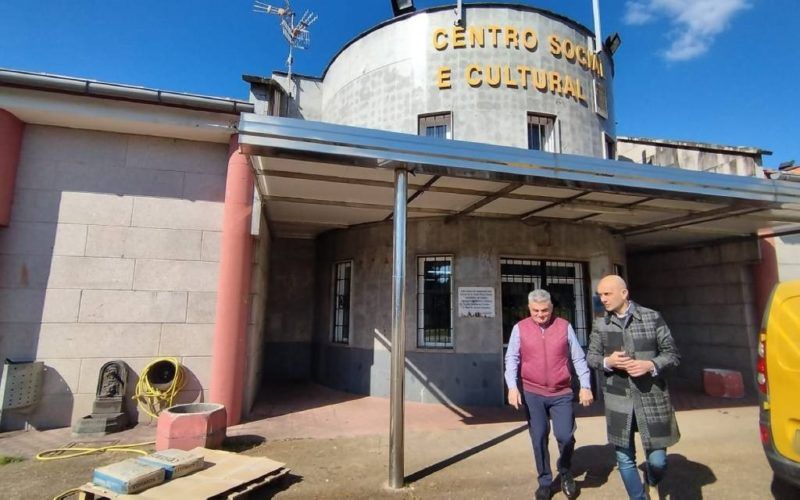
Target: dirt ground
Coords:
[[719, 456]]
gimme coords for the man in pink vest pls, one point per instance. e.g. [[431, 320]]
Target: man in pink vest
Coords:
[[543, 346]]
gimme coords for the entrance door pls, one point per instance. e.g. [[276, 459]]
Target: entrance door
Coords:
[[566, 282]]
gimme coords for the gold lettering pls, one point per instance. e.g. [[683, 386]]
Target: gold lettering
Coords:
[[437, 34], [459, 41], [524, 72], [508, 80], [493, 76], [554, 81], [580, 53], [443, 78], [476, 36], [474, 81], [529, 39], [494, 31], [569, 49], [579, 89], [569, 87], [512, 37], [600, 66], [555, 46], [540, 80]]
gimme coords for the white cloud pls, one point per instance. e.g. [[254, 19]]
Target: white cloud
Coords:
[[695, 23]]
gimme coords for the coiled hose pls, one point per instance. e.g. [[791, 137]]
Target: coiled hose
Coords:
[[159, 383]]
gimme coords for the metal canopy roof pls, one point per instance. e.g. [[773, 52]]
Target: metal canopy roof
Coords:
[[317, 176]]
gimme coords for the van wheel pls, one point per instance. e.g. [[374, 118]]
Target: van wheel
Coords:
[[783, 489]]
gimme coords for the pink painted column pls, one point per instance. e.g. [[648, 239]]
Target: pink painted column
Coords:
[[233, 294], [11, 129]]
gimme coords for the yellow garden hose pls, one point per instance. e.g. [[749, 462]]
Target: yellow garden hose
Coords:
[[56, 453], [152, 398]]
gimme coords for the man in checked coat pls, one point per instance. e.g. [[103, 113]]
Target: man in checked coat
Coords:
[[633, 347]]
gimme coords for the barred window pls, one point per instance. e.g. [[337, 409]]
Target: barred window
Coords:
[[439, 125], [435, 302], [342, 272], [567, 283], [542, 134]]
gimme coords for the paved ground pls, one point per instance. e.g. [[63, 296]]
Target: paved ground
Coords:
[[337, 446]]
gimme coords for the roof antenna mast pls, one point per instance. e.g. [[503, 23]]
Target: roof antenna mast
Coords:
[[296, 35]]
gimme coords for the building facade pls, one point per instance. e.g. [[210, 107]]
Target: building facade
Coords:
[[254, 240]]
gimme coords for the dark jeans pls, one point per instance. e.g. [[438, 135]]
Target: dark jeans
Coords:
[[540, 411]]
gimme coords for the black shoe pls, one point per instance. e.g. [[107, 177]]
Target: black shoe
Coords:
[[543, 493], [568, 486]]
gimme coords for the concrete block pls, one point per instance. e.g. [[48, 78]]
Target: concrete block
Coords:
[[202, 307], [61, 375], [173, 244], [186, 340], [79, 145], [185, 427], [28, 238], [176, 275], [18, 341], [95, 208], [24, 271], [211, 246], [207, 187], [35, 205], [96, 273], [70, 240], [106, 241], [67, 176], [156, 153], [81, 341], [723, 383], [106, 306], [177, 214], [199, 372]]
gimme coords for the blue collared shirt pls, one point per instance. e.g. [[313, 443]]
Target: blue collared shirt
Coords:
[[576, 353]]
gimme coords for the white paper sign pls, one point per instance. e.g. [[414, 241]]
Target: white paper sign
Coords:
[[476, 301]]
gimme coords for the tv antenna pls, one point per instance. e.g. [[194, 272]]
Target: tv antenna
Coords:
[[296, 35]]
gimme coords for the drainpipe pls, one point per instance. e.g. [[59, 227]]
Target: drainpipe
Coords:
[[11, 129], [233, 293]]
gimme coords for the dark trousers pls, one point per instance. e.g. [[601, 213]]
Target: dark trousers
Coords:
[[540, 411]]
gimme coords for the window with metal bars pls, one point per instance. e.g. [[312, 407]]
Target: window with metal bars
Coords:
[[439, 125], [566, 282], [435, 302], [342, 280], [542, 134]]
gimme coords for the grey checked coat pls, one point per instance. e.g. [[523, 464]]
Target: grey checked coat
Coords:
[[645, 336]]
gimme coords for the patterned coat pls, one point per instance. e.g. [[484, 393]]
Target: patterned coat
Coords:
[[645, 336]]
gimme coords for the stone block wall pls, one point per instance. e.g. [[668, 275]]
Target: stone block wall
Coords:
[[112, 253], [706, 297]]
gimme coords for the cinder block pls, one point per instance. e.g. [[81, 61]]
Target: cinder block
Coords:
[[206, 187], [177, 214], [96, 273], [106, 306], [176, 275], [155, 153], [106, 241], [95, 208], [186, 340], [723, 383], [211, 246], [82, 341], [202, 307], [24, 271], [35, 205], [172, 244]]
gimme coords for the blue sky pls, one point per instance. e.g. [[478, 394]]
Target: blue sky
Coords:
[[718, 71]]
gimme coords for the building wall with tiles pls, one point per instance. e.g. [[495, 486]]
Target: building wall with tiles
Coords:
[[112, 253]]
